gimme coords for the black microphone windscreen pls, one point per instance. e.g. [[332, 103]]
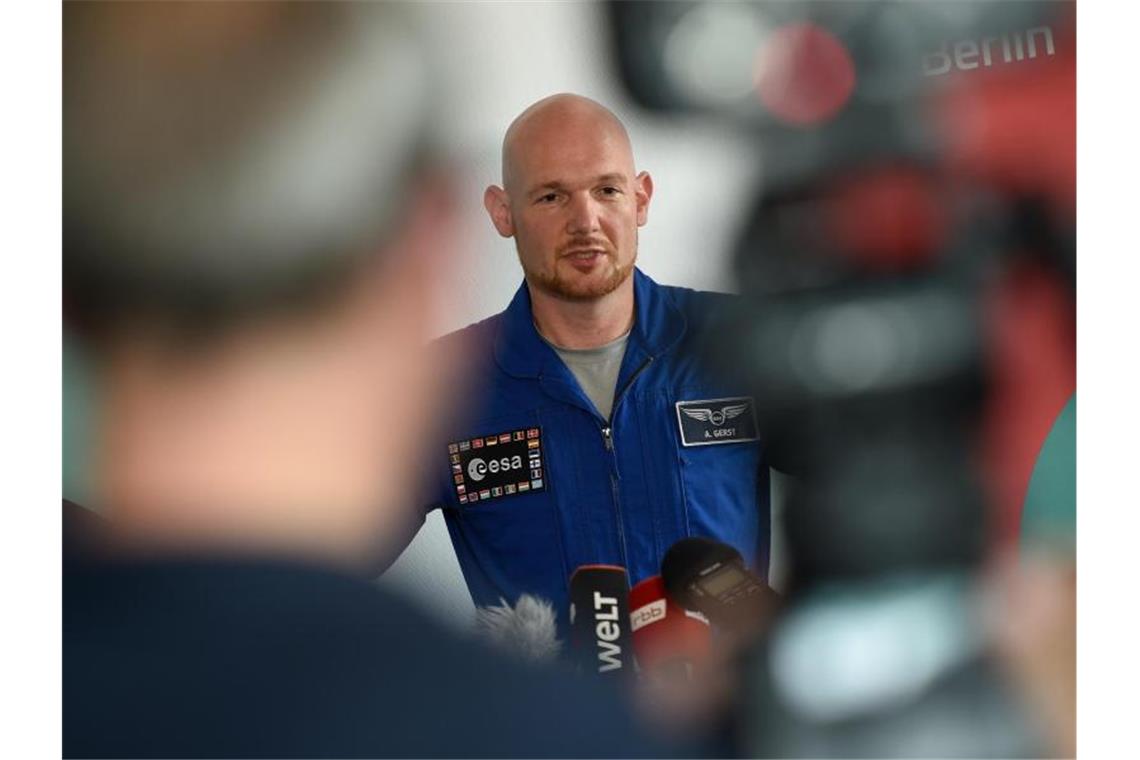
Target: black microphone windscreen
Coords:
[[599, 619], [688, 555]]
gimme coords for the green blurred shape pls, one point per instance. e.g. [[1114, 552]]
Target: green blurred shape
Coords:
[[1049, 517], [78, 421]]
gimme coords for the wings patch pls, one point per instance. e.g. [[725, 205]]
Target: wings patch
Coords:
[[706, 422]]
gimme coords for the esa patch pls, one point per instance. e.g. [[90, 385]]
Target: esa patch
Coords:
[[495, 466], [707, 422]]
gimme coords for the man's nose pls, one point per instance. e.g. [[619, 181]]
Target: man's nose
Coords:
[[583, 217]]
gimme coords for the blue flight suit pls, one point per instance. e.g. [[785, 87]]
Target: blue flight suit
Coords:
[[617, 492]]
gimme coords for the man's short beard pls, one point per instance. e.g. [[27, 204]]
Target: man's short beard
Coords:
[[553, 284]]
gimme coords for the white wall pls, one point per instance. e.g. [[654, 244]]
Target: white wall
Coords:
[[498, 59]]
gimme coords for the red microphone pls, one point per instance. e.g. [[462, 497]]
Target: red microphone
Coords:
[[670, 642]]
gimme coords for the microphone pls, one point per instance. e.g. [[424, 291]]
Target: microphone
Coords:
[[710, 577], [669, 641], [599, 620], [527, 631]]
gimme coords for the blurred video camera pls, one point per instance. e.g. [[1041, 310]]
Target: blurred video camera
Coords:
[[917, 160]]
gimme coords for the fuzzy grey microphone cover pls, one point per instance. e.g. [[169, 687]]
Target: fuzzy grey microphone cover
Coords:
[[527, 631]]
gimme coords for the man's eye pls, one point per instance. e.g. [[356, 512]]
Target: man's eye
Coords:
[[548, 198], [610, 190]]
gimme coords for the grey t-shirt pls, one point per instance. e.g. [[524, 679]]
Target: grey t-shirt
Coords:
[[596, 370]]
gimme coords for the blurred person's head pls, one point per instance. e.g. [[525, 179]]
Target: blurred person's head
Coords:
[[571, 198], [251, 247]]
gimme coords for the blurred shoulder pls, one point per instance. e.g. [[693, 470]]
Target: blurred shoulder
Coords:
[[477, 334]]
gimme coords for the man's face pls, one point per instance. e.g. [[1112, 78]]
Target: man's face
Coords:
[[573, 206]]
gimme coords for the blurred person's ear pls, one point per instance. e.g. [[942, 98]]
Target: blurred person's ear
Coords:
[[498, 206], [418, 270], [642, 193], [411, 379]]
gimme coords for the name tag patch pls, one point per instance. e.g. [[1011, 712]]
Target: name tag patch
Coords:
[[493, 466], [707, 422]]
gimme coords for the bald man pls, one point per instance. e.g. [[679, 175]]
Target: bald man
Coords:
[[590, 437]]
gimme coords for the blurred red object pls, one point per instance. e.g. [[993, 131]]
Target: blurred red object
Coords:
[[887, 219], [804, 75], [663, 631], [1013, 127]]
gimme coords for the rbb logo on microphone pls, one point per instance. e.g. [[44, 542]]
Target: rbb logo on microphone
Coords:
[[492, 466], [670, 643], [646, 614]]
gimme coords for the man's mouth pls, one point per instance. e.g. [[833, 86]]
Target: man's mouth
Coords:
[[584, 254]]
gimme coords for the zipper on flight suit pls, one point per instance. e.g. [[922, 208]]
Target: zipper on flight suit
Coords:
[[608, 441]]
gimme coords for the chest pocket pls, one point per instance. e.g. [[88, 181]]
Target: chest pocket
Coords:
[[722, 471], [500, 508]]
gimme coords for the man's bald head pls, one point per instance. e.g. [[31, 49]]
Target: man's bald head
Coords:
[[571, 199], [562, 115]]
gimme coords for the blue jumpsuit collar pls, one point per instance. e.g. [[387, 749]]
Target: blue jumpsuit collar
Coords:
[[521, 352]]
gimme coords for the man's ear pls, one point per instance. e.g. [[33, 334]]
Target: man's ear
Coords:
[[642, 192], [499, 208]]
